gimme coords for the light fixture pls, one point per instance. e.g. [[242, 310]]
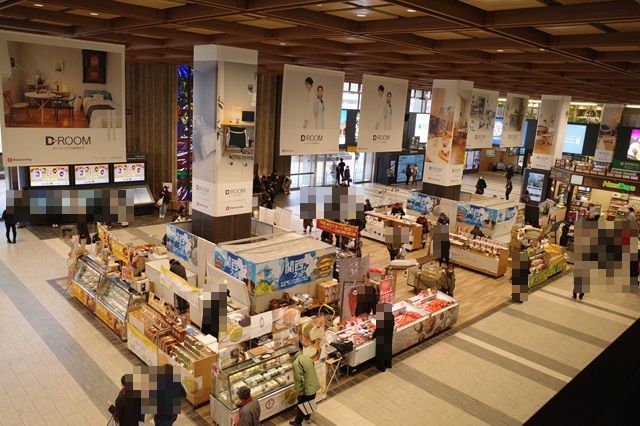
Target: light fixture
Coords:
[[38, 5], [502, 99], [542, 50], [282, 43], [94, 13], [361, 15], [411, 10], [584, 103], [500, 50], [319, 4], [632, 106]]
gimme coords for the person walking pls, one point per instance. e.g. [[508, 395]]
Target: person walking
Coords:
[[341, 170], [384, 335], [393, 251], [481, 185], [169, 394], [422, 220], [127, 409], [10, 225], [163, 201], [305, 383], [249, 413], [347, 176], [508, 189], [409, 174]]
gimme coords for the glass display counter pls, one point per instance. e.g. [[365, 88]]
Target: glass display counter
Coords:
[[270, 378], [85, 281], [114, 298]]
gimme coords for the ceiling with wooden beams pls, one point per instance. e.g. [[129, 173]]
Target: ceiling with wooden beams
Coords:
[[587, 49]]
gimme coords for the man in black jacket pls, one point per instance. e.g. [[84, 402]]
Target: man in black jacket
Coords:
[[127, 409], [10, 224], [384, 335]]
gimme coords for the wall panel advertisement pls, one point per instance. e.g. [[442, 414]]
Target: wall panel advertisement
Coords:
[[482, 117], [311, 106], [382, 114], [224, 89], [609, 122], [552, 122], [66, 97], [513, 124], [448, 126]]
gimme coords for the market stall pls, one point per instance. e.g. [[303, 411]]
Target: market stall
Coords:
[[481, 254], [379, 226], [495, 217], [545, 261]]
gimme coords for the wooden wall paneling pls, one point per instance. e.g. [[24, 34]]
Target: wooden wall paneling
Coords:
[[267, 122], [151, 125]]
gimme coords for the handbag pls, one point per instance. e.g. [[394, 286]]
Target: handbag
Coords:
[[308, 407], [159, 202]]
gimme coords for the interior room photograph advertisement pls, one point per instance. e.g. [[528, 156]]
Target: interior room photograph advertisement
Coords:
[[224, 130], [65, 96], [311, 107], [513, 122], [382, 114]]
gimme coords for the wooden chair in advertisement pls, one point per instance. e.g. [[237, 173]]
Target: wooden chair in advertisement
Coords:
[[8, 97]]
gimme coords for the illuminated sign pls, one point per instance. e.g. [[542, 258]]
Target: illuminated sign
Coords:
[[619, 185]]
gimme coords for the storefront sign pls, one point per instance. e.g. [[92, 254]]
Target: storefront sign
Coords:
[[336, 228], [291, 271], [482, 118], [561, 175], [235, 266], [182, 244], [611, 185], [382, 114], [628, 166], [422, 203], [609, 123], [181, 287], [513, 122], [311, 107], [83, 296]]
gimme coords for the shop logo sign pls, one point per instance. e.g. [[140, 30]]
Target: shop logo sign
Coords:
[[381, 138], [311, 138], [67, 140], [235, 191], [619, 185]]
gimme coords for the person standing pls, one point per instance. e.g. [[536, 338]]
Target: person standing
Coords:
[[169, 394], [564, 235], [447, 280], [381, 108], [443, 219], [398, 210], [367, 206], [424, 222], [249, 413], [127, 409], [481, 185], [165, 197], [307, 223], [310, 98], [305, 382], [10, 225], [341, 170], [318, 108], [388, 110], [477, 232], [414, 173], [347, 176], [334, 172], [508, 189], [384, 335]]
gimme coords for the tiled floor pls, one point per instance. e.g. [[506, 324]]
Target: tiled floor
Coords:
[[60, 364]]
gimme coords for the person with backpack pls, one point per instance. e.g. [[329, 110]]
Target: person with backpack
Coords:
[[305, 383]]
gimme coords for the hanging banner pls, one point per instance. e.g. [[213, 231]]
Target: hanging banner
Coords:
[[552, 122], [337, 228], [422, 203], [64, 96], [482, 118], [224, 96], [382, 114], [311, 107], [448, 125], [609, 122], [515, 114], [182, 244]]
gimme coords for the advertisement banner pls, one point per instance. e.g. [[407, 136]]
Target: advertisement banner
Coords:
[[311, 106], [224, 103], [609, 122], [422, 203], [482, 118], [182, 244], [74, 96], [235, 266], [337, 228], [515, 114], [477, 215], [120, 250], [552, 122], [382, 114], [448, 126], [291, 271]]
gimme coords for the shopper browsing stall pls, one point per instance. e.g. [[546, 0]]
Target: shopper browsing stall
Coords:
[[127, 409], [477, 232], [306, 384], [398, 210], [481, 185], [443, 219], [424, 222], [367, 206], [384, 335], [249, 409], [447, 280]]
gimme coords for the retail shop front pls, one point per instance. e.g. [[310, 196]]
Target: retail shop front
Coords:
[[580, 193]]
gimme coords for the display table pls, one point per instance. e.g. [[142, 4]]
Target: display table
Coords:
[[417, 319], [545, 263], [378, 223]]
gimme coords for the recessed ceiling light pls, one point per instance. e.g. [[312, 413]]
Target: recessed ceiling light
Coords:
[[500, 50], [38, 5], [542, 50], [361, 15], [94, 13], [320, 5], [282, 43], [411, 10]]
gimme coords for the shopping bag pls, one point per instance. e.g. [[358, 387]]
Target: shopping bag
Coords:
[[160, 201], [308, 407]]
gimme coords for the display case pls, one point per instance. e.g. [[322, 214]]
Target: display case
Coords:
[[270, 378], [86, 280], [114, 299], [481, 254], [544, 262], [375, 224]]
